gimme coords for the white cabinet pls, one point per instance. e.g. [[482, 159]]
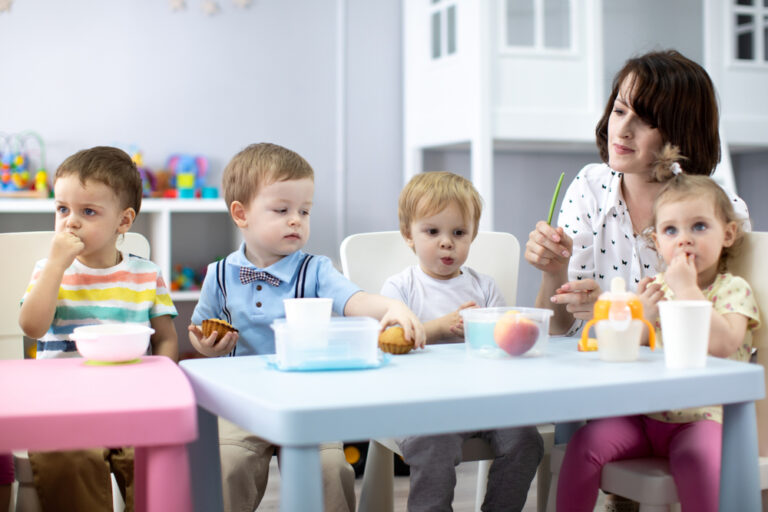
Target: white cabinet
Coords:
[[190, 232]]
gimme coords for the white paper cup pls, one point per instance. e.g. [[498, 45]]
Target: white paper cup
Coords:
[[685, 332], [308, 311]]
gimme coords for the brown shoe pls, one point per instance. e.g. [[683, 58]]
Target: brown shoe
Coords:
[[616, 503]]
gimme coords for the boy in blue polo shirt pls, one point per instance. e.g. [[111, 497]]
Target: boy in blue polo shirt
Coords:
[[269, 191]]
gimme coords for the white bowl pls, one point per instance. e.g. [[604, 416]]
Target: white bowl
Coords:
[[112, 343]]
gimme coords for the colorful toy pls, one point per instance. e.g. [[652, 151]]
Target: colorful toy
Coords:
[[164, 184], [148, 180], [17, 164], [189, 173], [185, 278]]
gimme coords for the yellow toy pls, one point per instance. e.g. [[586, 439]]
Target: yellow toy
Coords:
[[619, 306]]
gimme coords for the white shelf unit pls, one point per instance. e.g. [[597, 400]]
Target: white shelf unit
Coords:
[[191, 232]]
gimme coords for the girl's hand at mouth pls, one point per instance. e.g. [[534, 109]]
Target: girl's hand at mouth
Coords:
[[681, 274]]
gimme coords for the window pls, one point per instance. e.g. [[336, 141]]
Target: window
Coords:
[[442, 28], [750, 30], [539, 24]]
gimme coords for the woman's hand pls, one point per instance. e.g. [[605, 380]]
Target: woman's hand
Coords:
[[578, 297], [548, 248]]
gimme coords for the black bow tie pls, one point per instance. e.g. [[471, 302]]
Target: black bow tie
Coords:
[[249, 275]]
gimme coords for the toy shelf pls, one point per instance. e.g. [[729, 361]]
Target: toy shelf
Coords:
[[188, 232]]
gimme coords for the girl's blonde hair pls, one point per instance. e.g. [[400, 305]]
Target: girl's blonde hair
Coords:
[[431, 192], [259, 165], [681, 186]]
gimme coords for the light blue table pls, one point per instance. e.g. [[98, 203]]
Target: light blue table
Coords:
[[442, 389]]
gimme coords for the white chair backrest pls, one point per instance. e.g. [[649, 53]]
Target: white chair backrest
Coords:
[[749, 263], [368, 259], [19, 253]]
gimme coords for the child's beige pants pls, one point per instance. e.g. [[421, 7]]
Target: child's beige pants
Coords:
[[245, 468], [80, 480]]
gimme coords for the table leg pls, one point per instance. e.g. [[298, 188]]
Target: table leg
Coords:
[[564, 431], [740, 472], [165, 482], [301, 482], [205, 464], [140, 479]]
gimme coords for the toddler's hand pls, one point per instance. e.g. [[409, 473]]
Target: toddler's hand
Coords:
[[649, 295], [209, 346], [64, 248], [681, 275], [399, 314], [455, 321]]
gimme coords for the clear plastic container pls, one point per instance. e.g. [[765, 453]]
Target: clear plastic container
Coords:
[[519, 330], [344, 342]]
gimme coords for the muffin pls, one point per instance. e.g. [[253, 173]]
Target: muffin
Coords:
[[393, 340], [220, 326]]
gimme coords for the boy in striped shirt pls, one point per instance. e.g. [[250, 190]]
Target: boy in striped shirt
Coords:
[[86, 280]]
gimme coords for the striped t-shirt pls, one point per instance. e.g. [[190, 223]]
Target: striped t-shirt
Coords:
[[131, 291]]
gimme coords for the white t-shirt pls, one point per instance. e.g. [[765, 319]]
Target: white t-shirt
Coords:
[[595, 215], [431, 298]]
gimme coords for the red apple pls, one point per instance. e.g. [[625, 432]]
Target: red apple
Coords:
[[515, 334]]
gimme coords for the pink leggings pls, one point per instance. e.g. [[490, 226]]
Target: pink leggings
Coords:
[[693, 450], [6, 469]]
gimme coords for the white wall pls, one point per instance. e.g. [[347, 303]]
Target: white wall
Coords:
[[83, 73], [751, 172], [629, 31], [374, 114]]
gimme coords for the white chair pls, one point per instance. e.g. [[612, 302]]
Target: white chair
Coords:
[[17, 260], [648, 480], [368, 259]]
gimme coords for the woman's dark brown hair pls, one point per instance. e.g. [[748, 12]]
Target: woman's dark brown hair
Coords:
[[675, 95]]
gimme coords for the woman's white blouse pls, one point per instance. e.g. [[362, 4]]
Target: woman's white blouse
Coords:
[[595, 215]]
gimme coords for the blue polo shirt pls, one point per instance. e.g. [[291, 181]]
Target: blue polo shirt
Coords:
[[255, 305]]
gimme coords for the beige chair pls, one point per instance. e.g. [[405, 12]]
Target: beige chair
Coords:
[[648, 480], [368, 259], [17, 260]]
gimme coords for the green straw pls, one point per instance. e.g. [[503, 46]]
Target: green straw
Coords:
[[554, 198]]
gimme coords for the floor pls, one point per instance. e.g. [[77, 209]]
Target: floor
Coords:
[[464, 497]]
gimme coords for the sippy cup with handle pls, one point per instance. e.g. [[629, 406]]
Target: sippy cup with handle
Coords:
[[618, 319]]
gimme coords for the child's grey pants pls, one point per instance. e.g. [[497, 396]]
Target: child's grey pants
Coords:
[[433, 461]]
